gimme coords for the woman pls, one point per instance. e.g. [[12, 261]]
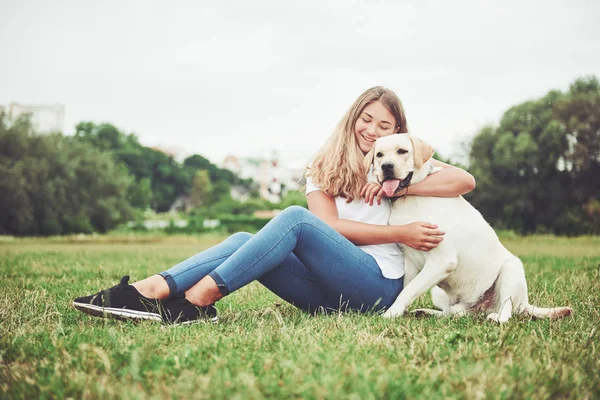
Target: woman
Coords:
[[340, 255]]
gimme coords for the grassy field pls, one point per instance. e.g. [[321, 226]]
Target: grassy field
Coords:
[[262, 348]]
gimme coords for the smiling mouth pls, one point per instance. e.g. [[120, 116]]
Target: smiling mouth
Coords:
[[367, 139]]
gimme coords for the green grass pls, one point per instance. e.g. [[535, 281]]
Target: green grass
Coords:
[[262, 348]]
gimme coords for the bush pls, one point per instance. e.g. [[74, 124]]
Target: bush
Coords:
[[242, 223]]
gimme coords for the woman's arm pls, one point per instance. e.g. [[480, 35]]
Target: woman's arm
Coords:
[[450, 181], [419, 235]]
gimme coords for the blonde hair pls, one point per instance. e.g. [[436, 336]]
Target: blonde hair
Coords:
[[337, 169]]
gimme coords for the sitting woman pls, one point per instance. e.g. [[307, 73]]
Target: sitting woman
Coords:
[[340, 255]]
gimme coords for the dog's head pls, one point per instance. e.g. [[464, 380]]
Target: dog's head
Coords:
[[395, 159]]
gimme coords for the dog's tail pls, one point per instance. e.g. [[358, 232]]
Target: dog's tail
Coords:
[[552, 313]]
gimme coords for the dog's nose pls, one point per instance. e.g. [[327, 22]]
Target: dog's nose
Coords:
[[387, 166]]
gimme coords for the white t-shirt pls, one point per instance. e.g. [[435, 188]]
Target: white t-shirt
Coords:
[[389, 257]]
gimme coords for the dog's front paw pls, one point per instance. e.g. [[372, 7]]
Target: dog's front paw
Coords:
[[426, 312], [393, 312]]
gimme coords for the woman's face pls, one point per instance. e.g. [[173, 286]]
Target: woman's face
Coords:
[[374, 121]]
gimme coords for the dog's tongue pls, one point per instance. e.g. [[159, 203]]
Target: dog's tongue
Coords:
[[390, 186]]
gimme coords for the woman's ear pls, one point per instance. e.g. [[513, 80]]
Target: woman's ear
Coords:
[[421, 151], [369, 160]]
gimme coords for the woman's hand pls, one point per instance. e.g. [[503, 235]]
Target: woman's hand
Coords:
[[372, 191], [422, 236]]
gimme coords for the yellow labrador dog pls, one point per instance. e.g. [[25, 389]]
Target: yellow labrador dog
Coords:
[[470, 270]]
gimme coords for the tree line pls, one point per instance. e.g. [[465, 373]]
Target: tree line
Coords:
[[537, 171], [92, 181], [158, 178]]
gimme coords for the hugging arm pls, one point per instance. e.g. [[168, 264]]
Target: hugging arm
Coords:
[[419, 235], [450, 181]]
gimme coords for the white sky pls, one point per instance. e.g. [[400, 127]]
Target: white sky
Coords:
[[246, 77]]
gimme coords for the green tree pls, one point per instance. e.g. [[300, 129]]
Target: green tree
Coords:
[[196, 162], [201, 192], [51, 185], [140, 193], [166, 176], [221, 190], [538, 170]]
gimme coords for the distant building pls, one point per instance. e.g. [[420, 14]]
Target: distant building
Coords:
[[45, 118], [240, 193], [183, 203], [274, 178]]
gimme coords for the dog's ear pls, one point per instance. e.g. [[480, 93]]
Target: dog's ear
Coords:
[[421, 151], [368, 161]]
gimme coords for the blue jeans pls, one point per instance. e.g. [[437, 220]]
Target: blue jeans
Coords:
[[299, 258]]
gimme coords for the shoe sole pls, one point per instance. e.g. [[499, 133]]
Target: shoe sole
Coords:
[[118, 313], [125, 314], [213, 320]]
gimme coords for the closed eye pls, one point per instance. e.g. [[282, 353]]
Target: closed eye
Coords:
[[402, 151]]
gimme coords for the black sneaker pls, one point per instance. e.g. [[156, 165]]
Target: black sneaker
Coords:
[[122, 302], [177, 310]]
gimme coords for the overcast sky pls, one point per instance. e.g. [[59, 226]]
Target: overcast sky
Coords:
[[246, 77]]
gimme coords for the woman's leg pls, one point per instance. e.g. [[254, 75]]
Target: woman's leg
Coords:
[[141, 300], [187, 273], [295, 283], [304, 261], [182, 276], [296, 255], [300, 287]]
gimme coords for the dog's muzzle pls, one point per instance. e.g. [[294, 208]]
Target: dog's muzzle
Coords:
[[406, 181], [388, 169], [392, 186]]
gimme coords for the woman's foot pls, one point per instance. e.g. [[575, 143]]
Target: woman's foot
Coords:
[[153, 287], [177, 310], [122, 301]]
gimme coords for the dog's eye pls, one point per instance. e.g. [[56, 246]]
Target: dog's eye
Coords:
[[379, 155], [402, 151]]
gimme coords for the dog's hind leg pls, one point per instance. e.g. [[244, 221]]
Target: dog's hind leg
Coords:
[[440, 300], [513, 296], [511, 289], [428, 312], [455, 310]]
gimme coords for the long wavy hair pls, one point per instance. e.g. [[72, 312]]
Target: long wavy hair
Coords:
[[337, 169]]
